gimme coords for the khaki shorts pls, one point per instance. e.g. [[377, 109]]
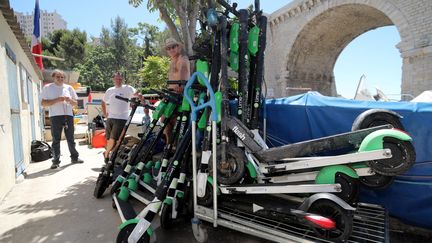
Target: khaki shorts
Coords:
[[114, 128]]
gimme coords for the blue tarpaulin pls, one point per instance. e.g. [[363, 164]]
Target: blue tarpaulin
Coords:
[[311, 115]]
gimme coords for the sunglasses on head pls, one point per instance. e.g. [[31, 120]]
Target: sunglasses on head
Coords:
[[171, 47]]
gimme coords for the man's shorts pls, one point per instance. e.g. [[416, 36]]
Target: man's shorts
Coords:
[[114, 128]]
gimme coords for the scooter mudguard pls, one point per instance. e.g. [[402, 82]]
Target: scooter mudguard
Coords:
[[147, 178], [159, 110], [169, 109], [202, 177], [132, 184], [168, 201], [149, 164], [233, 37], [251, 170], [374, 141], [135, 221], [185, 104], [327, 174], [157, 165], [218, 98], [202, 122], [253, 40], [123, 194], [202, 183], [210, 180], [202, 67], [324, 196], [234, 61]]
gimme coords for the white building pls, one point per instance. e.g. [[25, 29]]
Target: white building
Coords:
[[20, 117], [49, 21]]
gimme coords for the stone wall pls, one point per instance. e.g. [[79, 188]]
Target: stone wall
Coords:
[[306, 37]]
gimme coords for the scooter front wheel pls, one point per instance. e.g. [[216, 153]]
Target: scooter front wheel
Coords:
[[101, 185], [233, 169], [342, 218], [166, 219], [125, 232]]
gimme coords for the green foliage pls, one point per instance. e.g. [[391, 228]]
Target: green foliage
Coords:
[[154, 74], [67, 44], [71, 48], [97, 68]]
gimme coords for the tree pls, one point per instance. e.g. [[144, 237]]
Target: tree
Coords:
[[120, 43], [185, 11], [71, 48], [97, 68], [148, 34], [154, 73]]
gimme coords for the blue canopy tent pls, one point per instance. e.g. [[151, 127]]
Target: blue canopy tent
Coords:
[[311, 115]]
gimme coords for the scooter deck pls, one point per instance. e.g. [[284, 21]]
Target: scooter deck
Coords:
[[330, 143], [151, 187], [142, 195], [124, 208]]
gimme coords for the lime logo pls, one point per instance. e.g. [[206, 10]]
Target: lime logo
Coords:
[[184, 118], [256, 105], [176, 163]]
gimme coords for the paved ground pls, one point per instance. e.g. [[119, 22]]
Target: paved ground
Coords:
[[58, 206]]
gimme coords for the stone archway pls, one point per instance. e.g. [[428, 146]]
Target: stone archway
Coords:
[[306, 38]]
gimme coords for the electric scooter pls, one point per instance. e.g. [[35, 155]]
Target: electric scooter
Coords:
[[104, 176], [285, 164]]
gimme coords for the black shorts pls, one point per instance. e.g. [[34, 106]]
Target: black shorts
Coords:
[[114, 128]]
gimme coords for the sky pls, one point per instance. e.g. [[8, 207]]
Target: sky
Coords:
[[373, 54]]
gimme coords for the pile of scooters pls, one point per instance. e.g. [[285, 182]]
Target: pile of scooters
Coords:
[[216, 159]]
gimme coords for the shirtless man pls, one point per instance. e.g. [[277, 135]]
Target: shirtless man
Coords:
[[179, 66], [179, 70]]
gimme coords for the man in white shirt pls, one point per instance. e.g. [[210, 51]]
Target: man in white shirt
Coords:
[[60, 98], [118, 111]]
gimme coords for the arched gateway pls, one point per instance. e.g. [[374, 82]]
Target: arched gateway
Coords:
[[306, 37]]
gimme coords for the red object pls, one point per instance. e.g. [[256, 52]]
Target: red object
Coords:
[[99, 140], [89, 98], [321, 221], [36, 38]]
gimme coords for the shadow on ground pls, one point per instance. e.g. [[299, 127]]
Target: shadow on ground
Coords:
[[74, 217]]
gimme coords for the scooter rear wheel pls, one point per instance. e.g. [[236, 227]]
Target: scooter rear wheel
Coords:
[[124, 233], [403, 158], [350, 188], [377, 181], [341, 217]]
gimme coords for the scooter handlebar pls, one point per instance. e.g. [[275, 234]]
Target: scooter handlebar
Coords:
[[171, 96], [211, 103]]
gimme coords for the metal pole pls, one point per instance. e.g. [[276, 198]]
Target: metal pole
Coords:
[[194, 168], [215, 206]]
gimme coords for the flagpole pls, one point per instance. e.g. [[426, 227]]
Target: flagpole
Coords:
[[49, 57]]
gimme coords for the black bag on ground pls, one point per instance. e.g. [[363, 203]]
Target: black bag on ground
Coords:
[[40, 151]]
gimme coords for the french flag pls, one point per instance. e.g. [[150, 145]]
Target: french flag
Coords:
[[36, 38]]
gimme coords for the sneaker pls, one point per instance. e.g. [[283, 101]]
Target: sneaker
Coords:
[[77, 161], [54, 166]]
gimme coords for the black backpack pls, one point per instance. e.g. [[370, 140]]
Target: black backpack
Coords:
[[40, 151]]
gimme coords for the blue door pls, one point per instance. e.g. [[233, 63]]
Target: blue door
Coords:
[[31, 104], [15, 111]]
